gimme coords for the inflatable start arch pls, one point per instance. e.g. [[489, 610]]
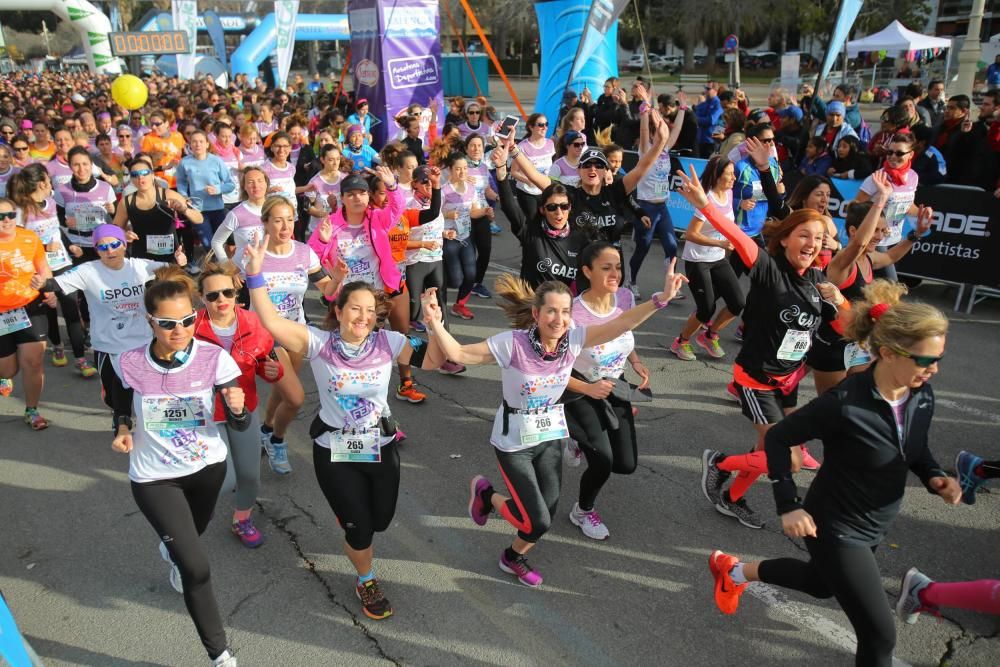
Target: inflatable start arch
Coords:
[[89, 21]]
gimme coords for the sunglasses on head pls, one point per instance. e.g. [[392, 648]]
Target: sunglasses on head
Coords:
[[921, 360], [8, 215], [139, 173], [113, 245], [898, 153], [168, 324], [212, 297], [561, 206], [595, 164]]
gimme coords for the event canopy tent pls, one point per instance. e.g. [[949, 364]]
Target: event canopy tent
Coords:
[[895, 38]]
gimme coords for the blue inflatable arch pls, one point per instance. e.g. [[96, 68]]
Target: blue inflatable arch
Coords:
[[260, 43]]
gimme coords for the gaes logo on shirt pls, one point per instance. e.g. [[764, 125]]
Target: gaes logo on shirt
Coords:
[[547, 266]]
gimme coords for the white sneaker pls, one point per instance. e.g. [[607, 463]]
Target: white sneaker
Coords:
[[227, 659], [589, 522], [572, 453], [175, 574]]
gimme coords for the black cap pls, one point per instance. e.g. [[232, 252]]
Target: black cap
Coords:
[[590, 154], [569, 95], [421, 174], [759, 116], [354, 182]]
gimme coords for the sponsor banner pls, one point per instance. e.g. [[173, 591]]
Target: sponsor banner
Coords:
[[213, 26], [285, 13], [603, 14], [366, 59], [185, 15]]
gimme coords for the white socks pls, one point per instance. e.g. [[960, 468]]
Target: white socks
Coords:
[[736, 574]]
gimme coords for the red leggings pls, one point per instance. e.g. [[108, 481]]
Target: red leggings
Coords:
[[749, 466], [982, 595]]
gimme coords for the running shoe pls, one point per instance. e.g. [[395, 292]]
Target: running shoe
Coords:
[[738, 334], [740, 510], [175, 574], [408, 392], [480, 290], [227, 659], [6, 387], [35, 420], [265, 442], [277, 457], [965, 467], [727, 594], [809, 461], [495, 229], [400, 435], [59, 357], [711, 344], [572, 453], [248, 533], [85, 368], [733, 391], [682, 349], [589, 522], [375, 605], [460, 310], [909, 606], [451, 368], [520, 568], [712, 478], [635, 292], [418, 326], [479, 511]]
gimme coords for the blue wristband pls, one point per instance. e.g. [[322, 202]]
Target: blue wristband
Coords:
[[255, 280]]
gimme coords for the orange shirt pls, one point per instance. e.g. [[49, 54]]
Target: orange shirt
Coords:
[[399, 236], [18, 259], [42, 153], [170, 149]]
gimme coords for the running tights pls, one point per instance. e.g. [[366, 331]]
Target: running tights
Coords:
[[242, 463], [988, 469], [607, 450], [70, 306], [661, 227], [422, 276], [533, 477], [111, 384], [482, 237], [460, 266], [179, 510], [850, 574], [362, 495], [749, 466], [982, 595]]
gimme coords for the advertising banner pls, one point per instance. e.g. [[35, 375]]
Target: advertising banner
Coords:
[[603, 14], [411, 56], [366, 60], [185, 15], [285, 14], [213, 26]]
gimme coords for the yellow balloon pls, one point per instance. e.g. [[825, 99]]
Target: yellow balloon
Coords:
[[129, 91]]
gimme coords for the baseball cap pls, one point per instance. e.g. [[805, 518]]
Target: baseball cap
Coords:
[[361, 102], [421, 174], [26, 124], [569, 95], [78, 98], [593, 155], [354, 182], [836, 107], [759, 116], [355, 128], [792, 112], [570, 136]]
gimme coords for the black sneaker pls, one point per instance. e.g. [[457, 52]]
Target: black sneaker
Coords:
[[373, 602], [741, 511], [712, 478]]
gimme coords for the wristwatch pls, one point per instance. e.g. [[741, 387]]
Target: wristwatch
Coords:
[[913, 237]]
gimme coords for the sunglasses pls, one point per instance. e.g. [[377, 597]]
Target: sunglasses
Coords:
[[139, 173], [562, 206], [467, 113], [898, 153], [212, 297], [578, 144], [20, 148], [8, 215], [596, 165], [921, 360], [114, 245], [168, 324], [156, 123], [541, 124], [124, 136], [767, 141]]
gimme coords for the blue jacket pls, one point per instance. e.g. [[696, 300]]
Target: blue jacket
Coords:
[[194, 175], [748, 186], [993, 75], [708, 114], [818, 166]]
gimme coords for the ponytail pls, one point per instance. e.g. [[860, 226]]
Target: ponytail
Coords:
[[518, 298], [171, 282], [883, 319]]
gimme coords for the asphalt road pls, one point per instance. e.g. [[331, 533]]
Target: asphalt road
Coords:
[[81, 572]]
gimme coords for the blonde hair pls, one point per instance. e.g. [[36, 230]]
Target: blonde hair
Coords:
[[518, 298], [603, 137], [211, 268], [901, 325], [271, 203]]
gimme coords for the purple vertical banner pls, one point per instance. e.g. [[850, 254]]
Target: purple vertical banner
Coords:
[[366, 61], [411, 57]]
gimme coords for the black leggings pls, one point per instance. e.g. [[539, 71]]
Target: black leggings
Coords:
[[533, 477], [482, 238], [179, 510], [991, 469], [424, 275], [111, 384], [362, 495], [607, 450], [709, 281], [70, 306], [850, 574]]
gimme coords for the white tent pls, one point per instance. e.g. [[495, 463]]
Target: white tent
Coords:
[[895, 38]]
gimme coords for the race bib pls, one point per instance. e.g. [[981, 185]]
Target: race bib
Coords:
[[543, 425], [758, 192], [14, 320], [855, 355], [160, 244], [794, 345], [88, 217], [58, 259], [169, 413], [463, 224], [355, 447]]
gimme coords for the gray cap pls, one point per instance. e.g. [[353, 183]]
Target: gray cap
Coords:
[[593, 154], [354, 182]]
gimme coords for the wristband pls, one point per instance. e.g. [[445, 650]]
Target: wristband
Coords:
[[255, 280], [913, 237], [660, 305], [121, 420]]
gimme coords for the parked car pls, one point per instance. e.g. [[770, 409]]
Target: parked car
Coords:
[[636, 63]]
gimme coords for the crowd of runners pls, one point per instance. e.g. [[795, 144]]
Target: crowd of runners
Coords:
[[176, 246]]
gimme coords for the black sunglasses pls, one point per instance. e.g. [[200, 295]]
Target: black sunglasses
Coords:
[[921, 360], [898, 153], [578, 144], [595, 164], [541, 124], [472, 113], [552, 208], [212, 297], [168, 324], [8, 215], [767, 141]]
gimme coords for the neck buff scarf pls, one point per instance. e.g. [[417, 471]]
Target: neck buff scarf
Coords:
[[543, 354]]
